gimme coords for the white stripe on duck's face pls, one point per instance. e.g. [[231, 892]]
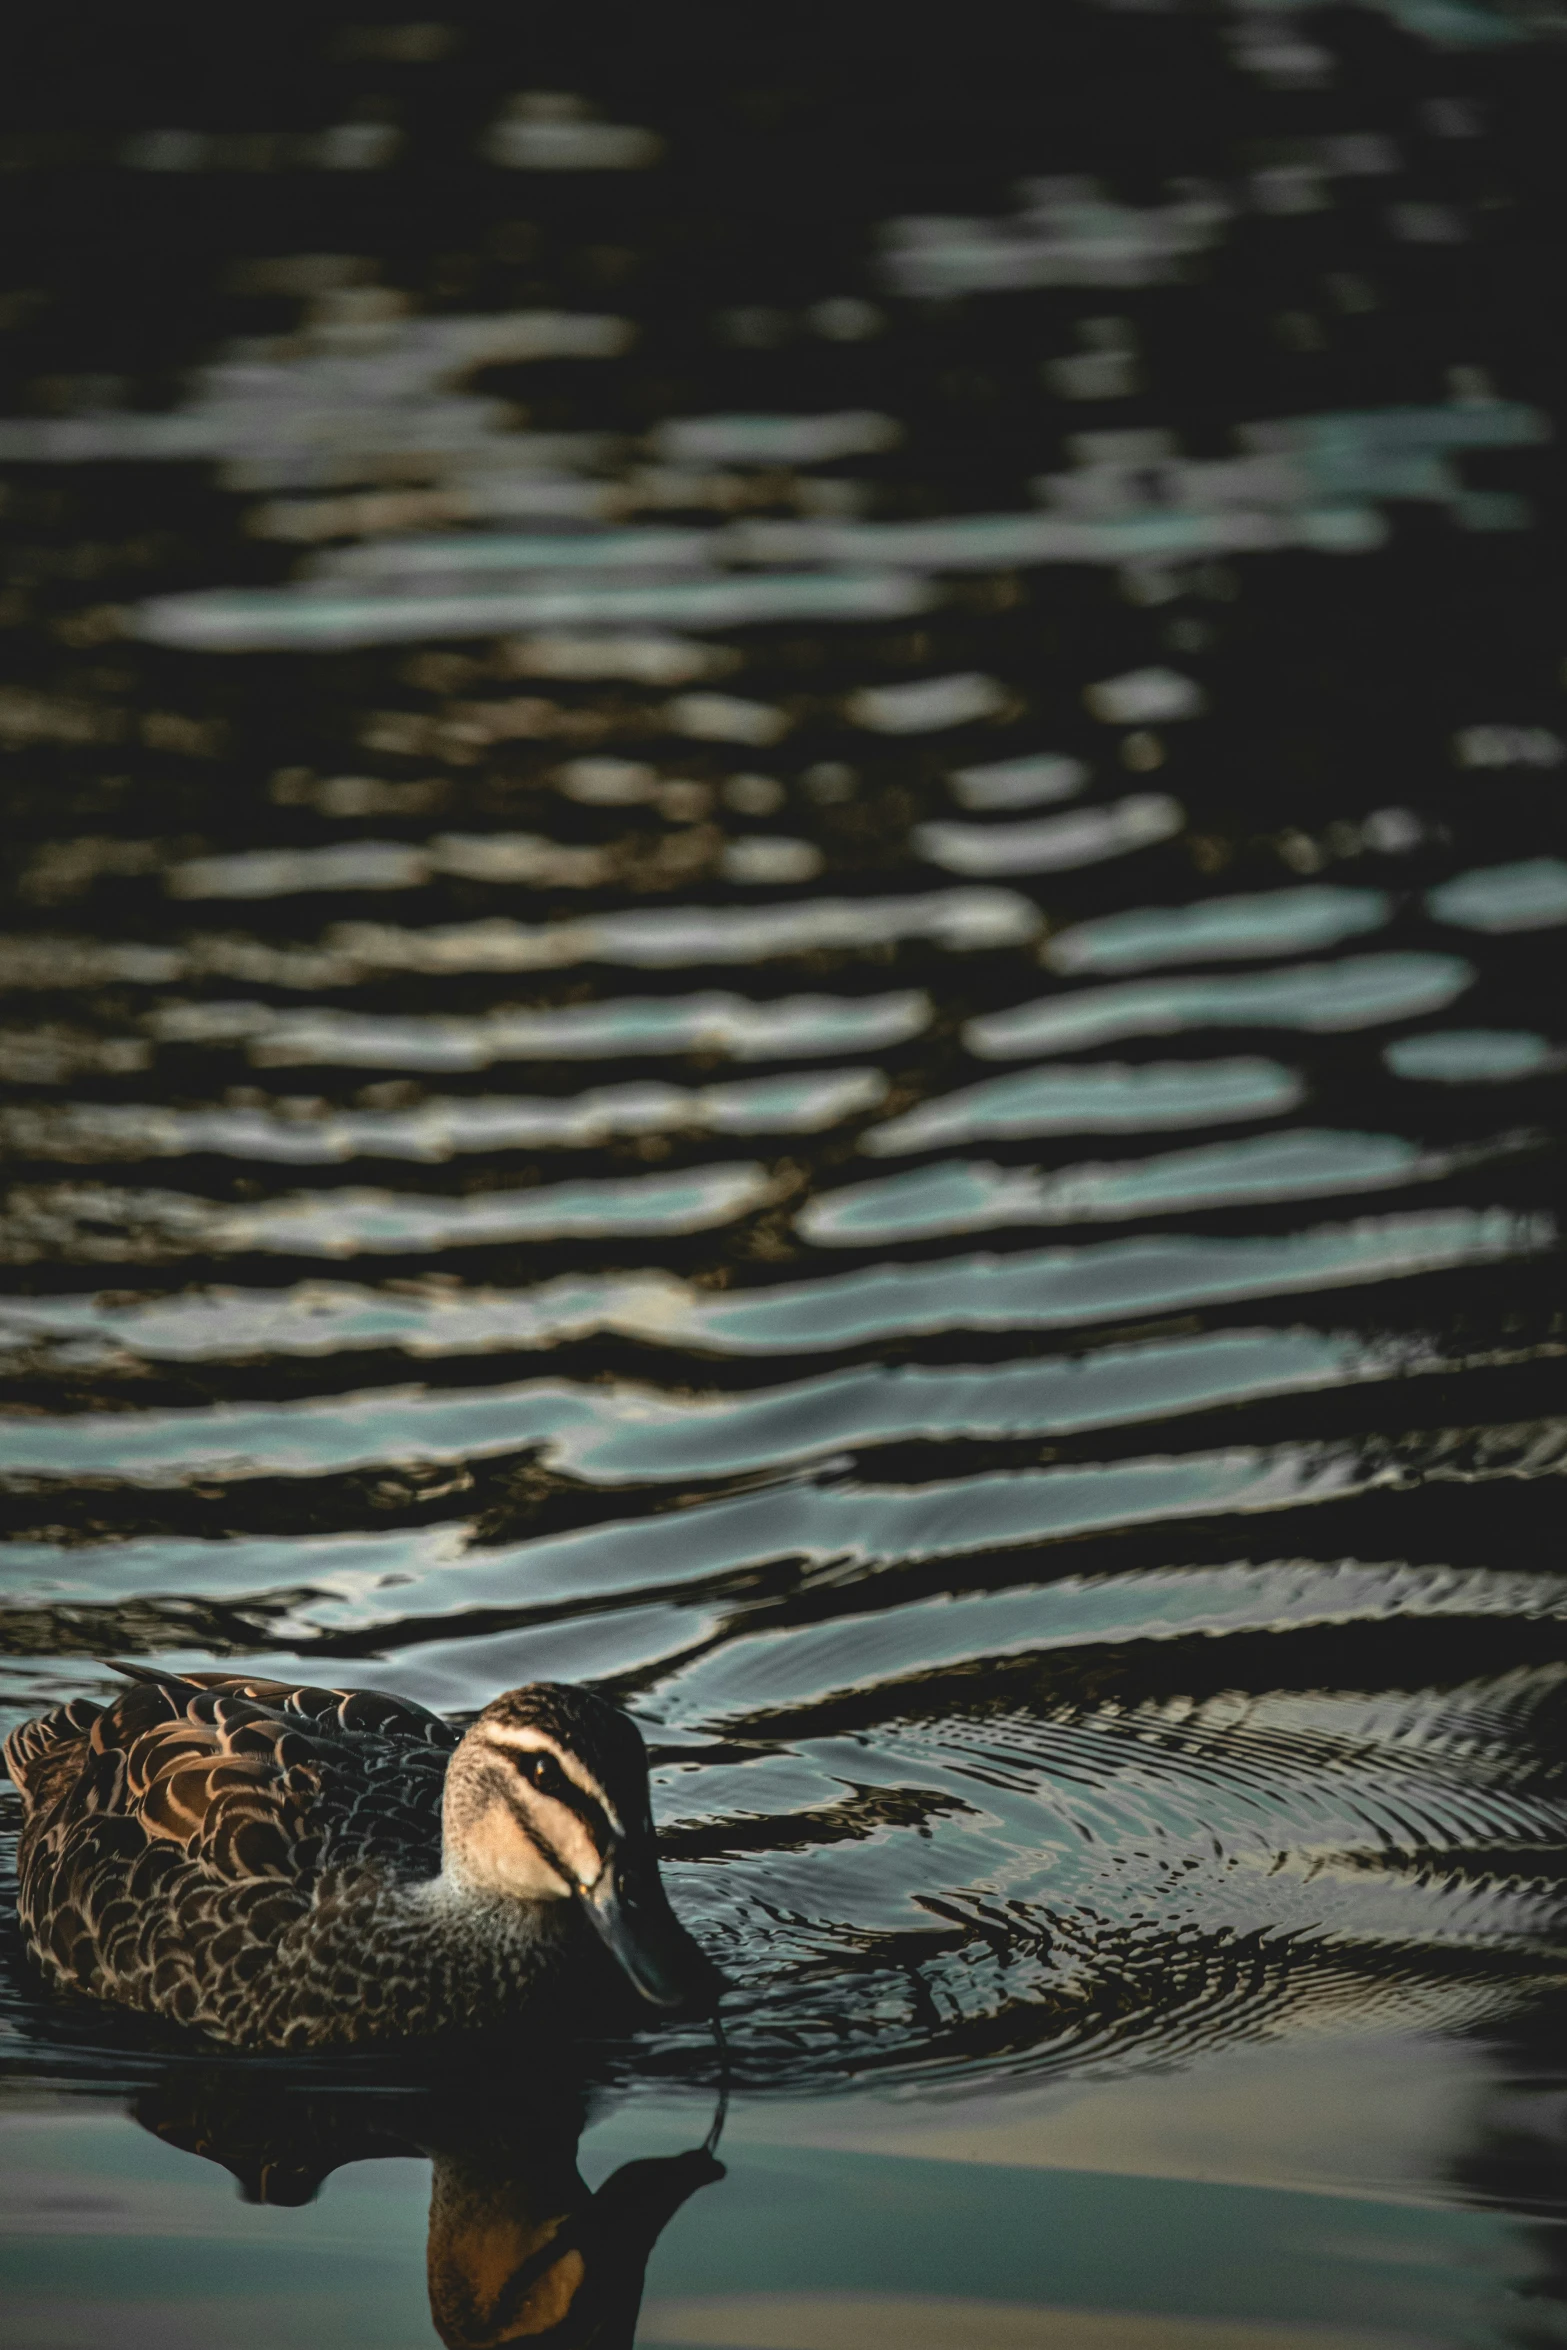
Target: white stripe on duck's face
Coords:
[[527, 1740], [524, 1816]]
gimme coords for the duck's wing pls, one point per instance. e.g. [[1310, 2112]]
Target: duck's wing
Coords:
[[200, 1718], [326, 1710], [196, 1797]]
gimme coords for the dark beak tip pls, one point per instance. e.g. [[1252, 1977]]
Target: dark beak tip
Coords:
[[698, 1994], [669, 1971]]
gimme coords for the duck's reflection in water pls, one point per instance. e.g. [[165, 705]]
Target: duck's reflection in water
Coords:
[[520, 2248]]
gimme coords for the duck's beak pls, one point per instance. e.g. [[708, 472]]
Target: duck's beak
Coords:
[[630, 1912]]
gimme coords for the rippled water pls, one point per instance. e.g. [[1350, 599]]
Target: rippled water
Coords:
[[785, 904]]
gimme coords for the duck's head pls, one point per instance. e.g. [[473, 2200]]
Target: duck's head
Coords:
[[547, 1800]]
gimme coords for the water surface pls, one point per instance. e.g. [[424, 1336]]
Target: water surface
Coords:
[[785, 887]]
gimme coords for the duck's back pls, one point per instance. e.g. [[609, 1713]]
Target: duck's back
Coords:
[[177, 1840]]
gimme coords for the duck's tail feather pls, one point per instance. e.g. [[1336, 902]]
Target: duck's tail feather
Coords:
[[161, 1676]]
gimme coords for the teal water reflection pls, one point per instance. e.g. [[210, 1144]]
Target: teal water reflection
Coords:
[[1273, 2203]]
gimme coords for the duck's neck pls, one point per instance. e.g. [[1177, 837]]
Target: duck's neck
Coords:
[[457, 1903], [471, 1959], [502, 2261]]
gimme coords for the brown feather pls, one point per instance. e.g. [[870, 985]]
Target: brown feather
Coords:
[[238, 1854]]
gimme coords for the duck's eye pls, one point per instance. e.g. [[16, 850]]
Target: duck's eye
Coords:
[[544, 1772]]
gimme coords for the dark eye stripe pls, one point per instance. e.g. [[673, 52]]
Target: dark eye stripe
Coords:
[[555, 1783]]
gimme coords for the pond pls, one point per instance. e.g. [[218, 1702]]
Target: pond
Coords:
[[785, 882]]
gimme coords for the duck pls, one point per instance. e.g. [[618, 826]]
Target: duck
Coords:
[[282, 1867]]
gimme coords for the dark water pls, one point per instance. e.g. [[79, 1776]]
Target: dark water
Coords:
[[785, 885]]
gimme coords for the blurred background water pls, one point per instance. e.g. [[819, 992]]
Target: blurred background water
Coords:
[[785, 878]]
